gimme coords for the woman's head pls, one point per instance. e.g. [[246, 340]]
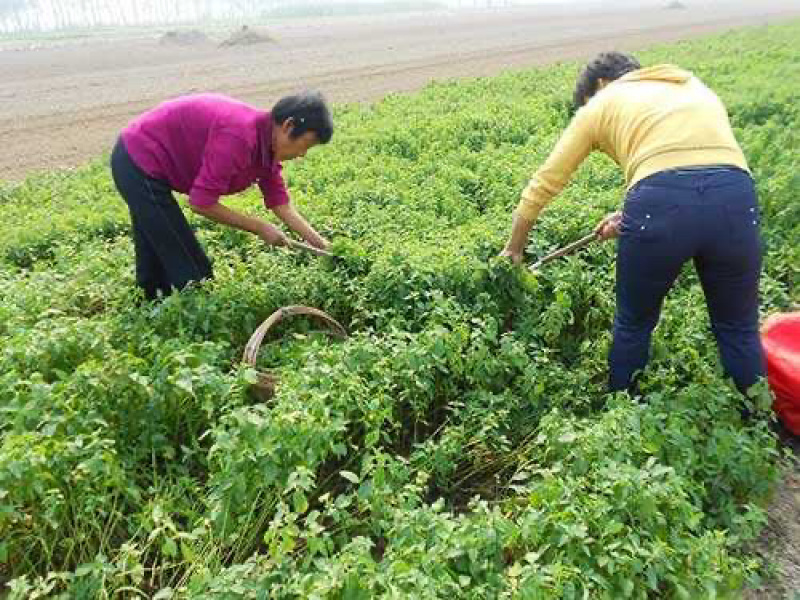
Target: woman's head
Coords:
[[300, 121], [602, 69]]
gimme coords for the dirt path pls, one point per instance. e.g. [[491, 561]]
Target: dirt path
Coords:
[[64, 103], [779, 544]]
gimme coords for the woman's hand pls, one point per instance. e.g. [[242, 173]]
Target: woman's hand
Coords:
[[272, 235], [515, 247], [295, 221], [609, 227], [516, 257], [319, 242]]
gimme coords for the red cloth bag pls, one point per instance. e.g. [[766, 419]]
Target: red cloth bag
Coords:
[[780, 336]]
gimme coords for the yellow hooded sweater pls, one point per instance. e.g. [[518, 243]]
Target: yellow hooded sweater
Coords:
[[647, 121]]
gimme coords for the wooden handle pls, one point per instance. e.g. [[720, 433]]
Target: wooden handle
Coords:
[[584, 241], [306, 248]]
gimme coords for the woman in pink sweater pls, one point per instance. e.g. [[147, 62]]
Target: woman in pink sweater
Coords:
[[208, 146]]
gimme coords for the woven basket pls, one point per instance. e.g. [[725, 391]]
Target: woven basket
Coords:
[[267, 381]]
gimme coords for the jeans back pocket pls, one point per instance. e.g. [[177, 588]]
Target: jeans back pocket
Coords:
[[649, 223], [744, 223]]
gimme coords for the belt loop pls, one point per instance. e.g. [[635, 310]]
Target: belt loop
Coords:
[[702, 183]]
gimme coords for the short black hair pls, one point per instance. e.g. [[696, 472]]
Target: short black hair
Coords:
[[308, 112], [606, 65]]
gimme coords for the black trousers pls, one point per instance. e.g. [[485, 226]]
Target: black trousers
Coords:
[[168, 255]]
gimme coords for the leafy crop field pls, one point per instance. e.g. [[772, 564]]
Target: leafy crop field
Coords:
[[458, 445]]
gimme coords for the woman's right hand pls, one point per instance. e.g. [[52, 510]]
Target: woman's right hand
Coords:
[[516, 257], [609, 227], [272, 235]]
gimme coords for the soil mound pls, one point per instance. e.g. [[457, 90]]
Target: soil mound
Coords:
[[247, 36], [189, 37]]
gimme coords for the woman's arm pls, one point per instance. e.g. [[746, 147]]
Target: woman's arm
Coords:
[[515, 247], [295, 221], [573, 146], [222, 214]]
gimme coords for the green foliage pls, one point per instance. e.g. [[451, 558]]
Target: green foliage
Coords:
[[458, 444]]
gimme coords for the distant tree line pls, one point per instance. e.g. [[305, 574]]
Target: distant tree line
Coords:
[[53, 15], [19, 16]]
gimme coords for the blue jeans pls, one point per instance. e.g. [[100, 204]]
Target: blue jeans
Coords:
[[710, 216]]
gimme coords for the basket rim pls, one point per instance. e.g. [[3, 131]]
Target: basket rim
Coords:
[[251, 349]]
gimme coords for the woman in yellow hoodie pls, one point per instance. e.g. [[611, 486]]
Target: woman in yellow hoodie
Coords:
[[689, 197]]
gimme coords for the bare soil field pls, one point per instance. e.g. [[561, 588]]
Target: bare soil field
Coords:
[[63, 102]]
